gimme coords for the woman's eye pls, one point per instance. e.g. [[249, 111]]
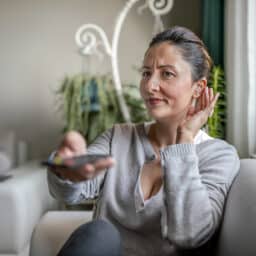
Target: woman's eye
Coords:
[[168, 74], [145, 74]]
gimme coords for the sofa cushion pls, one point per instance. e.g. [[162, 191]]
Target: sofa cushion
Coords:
[[54, 229], [23, 200], [5, 163], [238, 231], [8, 145]]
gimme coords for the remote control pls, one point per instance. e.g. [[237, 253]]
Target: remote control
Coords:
[[73, 162]]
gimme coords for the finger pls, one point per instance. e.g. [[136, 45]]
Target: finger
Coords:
[[215, 99], [64, 152], [198, 104], [88, 171], [203, 99], [192, 106], [74, 141], [207, 101], [211, 95], [89, 168], [104, 163], [212, 105]]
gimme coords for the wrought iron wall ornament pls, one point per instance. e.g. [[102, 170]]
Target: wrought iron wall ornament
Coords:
[[88, 44]]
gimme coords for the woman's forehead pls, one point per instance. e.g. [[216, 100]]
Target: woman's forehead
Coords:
[[163, 54]]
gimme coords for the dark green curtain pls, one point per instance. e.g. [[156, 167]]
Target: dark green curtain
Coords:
[[213, 29]]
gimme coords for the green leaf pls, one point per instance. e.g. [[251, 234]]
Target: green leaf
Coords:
[[216, 124]]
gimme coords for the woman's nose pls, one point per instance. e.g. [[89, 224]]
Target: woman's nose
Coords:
[[154, 84]]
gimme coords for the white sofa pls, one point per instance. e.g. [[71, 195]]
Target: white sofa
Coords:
[[236, 236], [24, 198]]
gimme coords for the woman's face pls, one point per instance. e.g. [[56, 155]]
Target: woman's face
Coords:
[[166, 84]]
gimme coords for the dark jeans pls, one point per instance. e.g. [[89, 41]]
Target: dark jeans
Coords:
[[95, 238]]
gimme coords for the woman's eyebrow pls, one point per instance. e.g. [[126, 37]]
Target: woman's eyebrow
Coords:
[[145, 67], [167, 66], [160, 66], [142, 68]]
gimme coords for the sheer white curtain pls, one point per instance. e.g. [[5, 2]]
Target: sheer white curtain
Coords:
[[240, 63]]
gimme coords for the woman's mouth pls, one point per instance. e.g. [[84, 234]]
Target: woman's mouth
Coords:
[[155, 101]]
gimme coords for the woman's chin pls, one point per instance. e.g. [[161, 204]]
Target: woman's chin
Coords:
[[159, 115]]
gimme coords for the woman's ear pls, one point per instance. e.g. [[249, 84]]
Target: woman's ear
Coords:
[[199, 87]]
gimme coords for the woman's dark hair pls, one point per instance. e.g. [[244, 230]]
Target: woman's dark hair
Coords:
[[192, 49]]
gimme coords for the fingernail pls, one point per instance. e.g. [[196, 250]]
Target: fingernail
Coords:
[[111, 160]]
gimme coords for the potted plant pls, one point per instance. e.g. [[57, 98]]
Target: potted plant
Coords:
[[216, 124], [89, 104]]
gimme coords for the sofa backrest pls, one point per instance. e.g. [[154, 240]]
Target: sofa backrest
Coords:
[[238, 231]]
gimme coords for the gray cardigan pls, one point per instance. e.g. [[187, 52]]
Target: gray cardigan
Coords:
[[184, 213]]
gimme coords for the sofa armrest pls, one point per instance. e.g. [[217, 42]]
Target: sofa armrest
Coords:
[[238, 229], [23, 200], [54, 229]]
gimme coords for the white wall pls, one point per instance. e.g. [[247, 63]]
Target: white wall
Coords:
[[37, 49]]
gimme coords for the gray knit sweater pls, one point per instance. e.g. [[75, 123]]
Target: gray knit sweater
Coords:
[[184, 213]]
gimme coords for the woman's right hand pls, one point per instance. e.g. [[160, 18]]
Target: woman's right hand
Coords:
[[73, 144]]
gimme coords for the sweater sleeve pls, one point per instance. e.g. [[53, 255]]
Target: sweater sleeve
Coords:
[[78, 192], [196, 181]]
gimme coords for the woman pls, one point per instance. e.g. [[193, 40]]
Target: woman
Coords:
[[165, 187]]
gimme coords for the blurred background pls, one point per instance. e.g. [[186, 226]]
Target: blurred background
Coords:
[[38, 50]]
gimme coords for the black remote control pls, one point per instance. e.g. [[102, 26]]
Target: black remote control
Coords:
[[74, 162]]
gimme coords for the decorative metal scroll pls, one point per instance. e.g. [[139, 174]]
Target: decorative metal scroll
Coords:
[[90, 36]]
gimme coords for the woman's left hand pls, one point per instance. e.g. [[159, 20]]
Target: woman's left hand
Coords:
[[197, 116]]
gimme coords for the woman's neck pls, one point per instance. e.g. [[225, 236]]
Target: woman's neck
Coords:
[[162, 134]]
